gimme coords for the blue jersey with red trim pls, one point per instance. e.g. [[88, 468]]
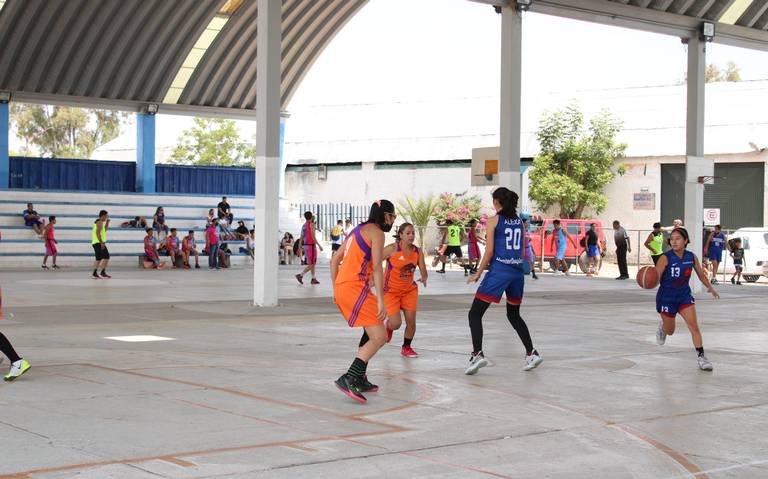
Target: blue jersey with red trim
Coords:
[[678, 272], [508, 243]]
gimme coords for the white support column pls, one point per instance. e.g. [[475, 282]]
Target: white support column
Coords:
[[695, 165], [511, 91], [265, 278]]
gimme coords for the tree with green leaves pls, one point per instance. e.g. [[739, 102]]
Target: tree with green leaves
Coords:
[[418, 212], [729, 74], [213, 142], [575, 163], [64, 132]]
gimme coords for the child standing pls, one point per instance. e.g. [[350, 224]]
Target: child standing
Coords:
[[505, 276], [50, 243], [351, 273], [473, 248], [530, 256], [737, 253], [674, 295], [400, 290], [310, 244]]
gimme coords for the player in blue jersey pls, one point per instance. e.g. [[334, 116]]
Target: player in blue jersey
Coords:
[[713, 250], [674, 295], [504, 257]]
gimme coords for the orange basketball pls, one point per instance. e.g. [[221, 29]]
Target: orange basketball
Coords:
[[647, 277]]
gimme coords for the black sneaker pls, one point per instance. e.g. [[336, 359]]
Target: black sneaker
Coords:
[[348, 385], [366, 386], [733, 281], [95, 276], [105, 275]]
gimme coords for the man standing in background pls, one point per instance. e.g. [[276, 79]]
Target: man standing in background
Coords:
[[623, 247]]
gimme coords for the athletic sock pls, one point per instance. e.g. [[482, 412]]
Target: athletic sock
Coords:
[[95, 272], [407, 341], [357, 369], [700, 351]]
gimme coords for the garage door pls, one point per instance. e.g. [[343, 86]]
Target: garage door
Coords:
[[739, 195]]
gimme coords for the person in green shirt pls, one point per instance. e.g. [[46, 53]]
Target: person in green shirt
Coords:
[[655, 243], [452, 238], [99, 243]]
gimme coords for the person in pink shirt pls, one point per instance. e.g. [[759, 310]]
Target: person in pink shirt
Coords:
[[212, 244], [50, 243]]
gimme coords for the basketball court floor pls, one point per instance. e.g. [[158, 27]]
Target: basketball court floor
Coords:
[[171, 374]]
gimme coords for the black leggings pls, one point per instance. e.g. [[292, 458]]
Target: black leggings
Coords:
[[476, 313], [7, 349]]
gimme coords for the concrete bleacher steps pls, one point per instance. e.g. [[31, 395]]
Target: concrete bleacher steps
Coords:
[[75, 213]]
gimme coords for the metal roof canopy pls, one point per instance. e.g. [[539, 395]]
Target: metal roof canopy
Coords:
[[125, 54]]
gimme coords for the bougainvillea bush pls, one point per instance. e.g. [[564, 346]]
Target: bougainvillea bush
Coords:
[[459, 208]]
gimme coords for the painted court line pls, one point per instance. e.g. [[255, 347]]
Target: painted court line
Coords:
[[139, 338]]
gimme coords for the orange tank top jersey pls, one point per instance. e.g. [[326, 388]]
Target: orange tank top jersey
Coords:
[[352, 291], [400, 269]]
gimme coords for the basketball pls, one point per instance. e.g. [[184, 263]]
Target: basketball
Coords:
[[647, 277]]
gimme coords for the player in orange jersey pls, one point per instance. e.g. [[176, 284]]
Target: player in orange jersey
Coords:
[[400, 290], [351, 272]]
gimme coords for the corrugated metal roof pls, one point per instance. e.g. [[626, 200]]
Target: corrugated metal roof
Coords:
[[123, 51]]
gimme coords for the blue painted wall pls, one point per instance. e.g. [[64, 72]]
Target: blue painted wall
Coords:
[[208, 180], [119, 176]]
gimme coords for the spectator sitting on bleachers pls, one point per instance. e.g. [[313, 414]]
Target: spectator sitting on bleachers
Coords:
[[150, 248], [224, 253], [136, 222], [225, 211], [189, 248], [242, 231], [223, 230], [158, 221], [33, 220], [211, 216], [173, 246], [249, 244]]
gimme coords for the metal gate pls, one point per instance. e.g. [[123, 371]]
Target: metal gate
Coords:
[[327, 214], [739, 193]]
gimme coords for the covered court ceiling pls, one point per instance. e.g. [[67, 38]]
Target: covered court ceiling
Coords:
[[199, 56]]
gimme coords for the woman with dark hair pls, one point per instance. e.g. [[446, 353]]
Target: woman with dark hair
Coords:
[[674, 295], [400, 290], [504, 258], [158, 222], [351, 273]]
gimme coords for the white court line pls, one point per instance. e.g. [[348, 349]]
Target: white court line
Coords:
[[139, 338]]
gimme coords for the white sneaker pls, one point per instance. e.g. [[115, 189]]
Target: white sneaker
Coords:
[[567, 273], [17, 369], [661, 336], [558, 273], [704, 363], [532, 361], [476, 361]]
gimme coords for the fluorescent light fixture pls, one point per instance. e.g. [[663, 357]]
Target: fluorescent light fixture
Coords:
[[199, 49], [708, 31], [152, 108], [139, 338], [5, 96], [523, 5], [735, 11]]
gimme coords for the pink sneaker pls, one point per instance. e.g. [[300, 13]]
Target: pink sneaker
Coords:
[[408, 352]]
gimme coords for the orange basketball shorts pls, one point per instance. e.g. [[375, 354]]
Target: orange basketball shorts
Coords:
[[407, 299], [357, 303]]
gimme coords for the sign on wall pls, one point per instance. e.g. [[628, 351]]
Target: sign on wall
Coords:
[[711, 216], [644, 201]]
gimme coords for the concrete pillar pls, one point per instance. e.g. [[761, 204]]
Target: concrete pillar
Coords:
[[511, 91], [5, 160], [267, 153], [696, 165], [284, 115], [145, 153]]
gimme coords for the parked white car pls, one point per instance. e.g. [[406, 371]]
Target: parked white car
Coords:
[[755, 244]]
